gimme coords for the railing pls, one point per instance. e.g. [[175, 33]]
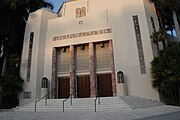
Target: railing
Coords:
[[43, 98], [70, 96], [95, 107]]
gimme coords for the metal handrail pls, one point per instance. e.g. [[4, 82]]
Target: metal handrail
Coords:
[[70, 96], [45, 96], [95, 107]]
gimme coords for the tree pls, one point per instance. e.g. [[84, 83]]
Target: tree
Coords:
[[167, 13], [165, 72], [173, 6], [14, 14], [159, 36], [11, 83]]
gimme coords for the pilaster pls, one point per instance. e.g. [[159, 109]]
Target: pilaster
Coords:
[[112, 68], [54, 73], [72, 71], [92, 70]]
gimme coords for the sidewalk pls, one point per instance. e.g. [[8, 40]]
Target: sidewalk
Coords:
[[151, 113], [168, 116]]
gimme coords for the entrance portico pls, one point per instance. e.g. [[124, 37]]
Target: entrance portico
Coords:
[[90, 71]]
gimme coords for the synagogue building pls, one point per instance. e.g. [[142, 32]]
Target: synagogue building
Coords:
[[90, 48]]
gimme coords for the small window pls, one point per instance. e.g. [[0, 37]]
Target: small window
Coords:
[[44, 82], [78, 12], [120, 77], [153, 24], [83, 11], [27, 95]]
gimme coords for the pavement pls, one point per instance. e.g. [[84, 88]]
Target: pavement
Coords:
[[162, 112]]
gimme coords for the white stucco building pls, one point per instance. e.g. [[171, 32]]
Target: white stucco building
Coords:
[[91, 47]]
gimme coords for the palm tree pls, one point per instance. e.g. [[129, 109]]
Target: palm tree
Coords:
[[158, 12], [159, 36], [173, 6], [168, 9]]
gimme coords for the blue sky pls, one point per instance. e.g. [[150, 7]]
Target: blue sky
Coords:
[[56, 3]]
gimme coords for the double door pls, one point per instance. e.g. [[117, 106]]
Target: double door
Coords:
[[104, 86], [82, 84]]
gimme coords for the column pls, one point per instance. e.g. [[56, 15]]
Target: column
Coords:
[[112, 68], [54, 73], [72, 71], [92, 70]]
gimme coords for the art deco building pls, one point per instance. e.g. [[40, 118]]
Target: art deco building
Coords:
[[90, 48]]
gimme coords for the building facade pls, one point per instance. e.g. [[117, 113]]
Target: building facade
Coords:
[[90, 48]]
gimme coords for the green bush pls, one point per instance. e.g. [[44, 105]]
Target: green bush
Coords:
[[165, 72]]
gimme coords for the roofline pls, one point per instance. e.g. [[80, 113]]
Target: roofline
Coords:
[[66, 1], [60, 7]]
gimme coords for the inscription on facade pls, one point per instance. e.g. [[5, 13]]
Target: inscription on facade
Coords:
[[83, 34]]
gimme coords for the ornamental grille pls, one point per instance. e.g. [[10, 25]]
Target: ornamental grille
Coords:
[[29, 57], [82, 59], [139, 44], [102, 57], [63, 60]]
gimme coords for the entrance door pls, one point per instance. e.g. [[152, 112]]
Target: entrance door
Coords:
[[63, 87], [104, 84], [83, 86]]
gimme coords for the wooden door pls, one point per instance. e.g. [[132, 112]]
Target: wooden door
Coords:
[[63, 87], [104, 84], [83, 86]]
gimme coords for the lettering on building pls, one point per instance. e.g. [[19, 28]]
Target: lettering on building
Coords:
[[83, 34]]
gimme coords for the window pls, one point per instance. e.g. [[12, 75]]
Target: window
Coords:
[[27, 95], [120, 77], [44, 83], [29, 57], [80, 12], [83, 11], [153, 25]]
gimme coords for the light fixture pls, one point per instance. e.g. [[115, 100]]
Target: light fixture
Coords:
[[63, 49], [82, 47], [101, 44]]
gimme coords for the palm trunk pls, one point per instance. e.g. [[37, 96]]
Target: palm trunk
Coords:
[[164, 44], [176, 25], [157, 45], [5, 63], [172, 33], [179, 91], [160, 20]]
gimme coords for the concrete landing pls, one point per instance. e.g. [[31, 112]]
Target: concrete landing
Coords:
[[162, 112]]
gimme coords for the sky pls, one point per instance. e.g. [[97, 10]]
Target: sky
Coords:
[[56, 3]]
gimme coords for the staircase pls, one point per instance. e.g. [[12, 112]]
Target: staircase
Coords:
[[137, 102], [87, 104]]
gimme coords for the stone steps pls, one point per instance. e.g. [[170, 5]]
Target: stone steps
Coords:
[[137, 102], [87, 104]]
